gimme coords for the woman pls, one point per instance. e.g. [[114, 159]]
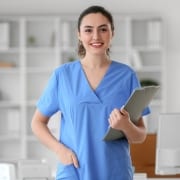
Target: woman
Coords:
[[90, 94]]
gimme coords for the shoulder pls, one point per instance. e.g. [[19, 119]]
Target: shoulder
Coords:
[[122, 67], [67, 67]]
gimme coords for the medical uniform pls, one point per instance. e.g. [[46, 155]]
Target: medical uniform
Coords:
[[84, 120]]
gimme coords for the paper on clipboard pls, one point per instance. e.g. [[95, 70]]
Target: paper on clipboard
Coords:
[[137, 102]]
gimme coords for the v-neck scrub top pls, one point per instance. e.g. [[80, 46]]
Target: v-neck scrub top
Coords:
[[84, 120]]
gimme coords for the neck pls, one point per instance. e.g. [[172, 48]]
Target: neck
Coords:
[[95, 62]]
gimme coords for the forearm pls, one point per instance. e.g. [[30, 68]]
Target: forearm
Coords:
[[119, 119], [42, 132], [135, 133]]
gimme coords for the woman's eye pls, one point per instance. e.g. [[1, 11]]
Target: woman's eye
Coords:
[[103, 29], [88, 30]]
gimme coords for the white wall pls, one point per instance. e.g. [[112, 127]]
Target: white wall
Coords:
[[169, 9]]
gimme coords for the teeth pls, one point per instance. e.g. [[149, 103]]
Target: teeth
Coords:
[[96, 44]]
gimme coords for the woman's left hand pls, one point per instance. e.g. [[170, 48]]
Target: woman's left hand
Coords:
[[119, 119]]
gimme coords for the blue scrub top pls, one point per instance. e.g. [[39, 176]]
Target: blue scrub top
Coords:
[[84, 120]]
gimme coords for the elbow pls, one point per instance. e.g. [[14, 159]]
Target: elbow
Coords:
[[137, 140], [34, 123], [142, 138], [143, 135], [38, 122]]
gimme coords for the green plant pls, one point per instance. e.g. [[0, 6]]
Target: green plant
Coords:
[[31, 40], [148, 82]]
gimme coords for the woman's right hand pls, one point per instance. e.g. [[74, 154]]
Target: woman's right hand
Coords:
[[67, 156]]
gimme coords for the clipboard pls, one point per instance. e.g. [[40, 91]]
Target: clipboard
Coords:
[[136, 103]]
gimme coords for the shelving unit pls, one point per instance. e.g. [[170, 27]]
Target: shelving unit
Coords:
[[38, 44]]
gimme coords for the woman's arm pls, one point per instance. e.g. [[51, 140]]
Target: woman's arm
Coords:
[[41, 130], [119, 119]]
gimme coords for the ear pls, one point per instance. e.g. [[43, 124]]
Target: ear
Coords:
[[78, 35]]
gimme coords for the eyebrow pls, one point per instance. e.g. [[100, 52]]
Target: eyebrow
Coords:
[[103, 25]]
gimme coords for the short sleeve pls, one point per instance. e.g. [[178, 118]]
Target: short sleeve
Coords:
[[48, 101], [136, 84]]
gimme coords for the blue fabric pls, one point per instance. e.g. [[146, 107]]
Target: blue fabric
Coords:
[[84, 121]]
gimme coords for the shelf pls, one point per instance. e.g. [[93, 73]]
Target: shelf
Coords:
[[13, 32], [9, 70], [10, 50], [148, 48], [35, 37], [39, 70], [149, 69], [10, 104], [32, 138], [40, 49], [11, 150], [147, 32], [9, 137]]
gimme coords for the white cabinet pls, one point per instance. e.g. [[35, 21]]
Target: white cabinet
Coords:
[[38, 44]]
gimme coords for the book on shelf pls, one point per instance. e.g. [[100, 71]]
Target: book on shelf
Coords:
[[154, 33], [4, 64], [4, 36]]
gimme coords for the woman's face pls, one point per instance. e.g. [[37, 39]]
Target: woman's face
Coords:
[[95, 34]]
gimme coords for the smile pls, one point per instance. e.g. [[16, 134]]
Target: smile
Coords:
[[98, 44]]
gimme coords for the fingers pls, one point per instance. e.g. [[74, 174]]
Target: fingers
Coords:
[[115, 114], [123, 111], [114, 117], [67, 156], [75, 161]]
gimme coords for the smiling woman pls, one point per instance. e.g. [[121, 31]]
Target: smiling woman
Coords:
[[88, 92]]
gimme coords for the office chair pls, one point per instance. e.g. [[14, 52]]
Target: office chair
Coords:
[[168, 144]]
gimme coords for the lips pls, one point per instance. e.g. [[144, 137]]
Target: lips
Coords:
[[96, 44]]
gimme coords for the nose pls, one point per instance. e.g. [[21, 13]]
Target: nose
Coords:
[[95, 34]]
